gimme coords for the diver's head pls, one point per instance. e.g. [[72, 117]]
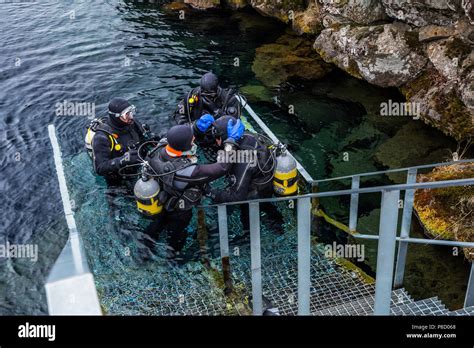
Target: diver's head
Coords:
[[219, 128], [181, 141], [209, 85], [121, 112]]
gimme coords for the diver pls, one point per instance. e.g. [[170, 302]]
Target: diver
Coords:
[[183, 180], [251, 175], [112, 141], [208, 98]]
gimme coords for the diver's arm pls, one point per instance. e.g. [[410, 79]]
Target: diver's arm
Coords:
[[181, 113], [104, 164], [205, 173], [239, 191]]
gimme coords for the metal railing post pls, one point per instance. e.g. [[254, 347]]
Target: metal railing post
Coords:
[[304, 255], [386, 251], [224, 247], [354, 204], [469, 299], [255, 258], [405, 230]]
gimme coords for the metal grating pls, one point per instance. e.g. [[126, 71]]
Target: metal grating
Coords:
[[463, 311]]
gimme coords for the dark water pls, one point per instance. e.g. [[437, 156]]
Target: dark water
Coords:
[[144, 53]]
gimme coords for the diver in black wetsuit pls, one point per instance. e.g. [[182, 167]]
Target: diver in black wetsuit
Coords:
[[184, 180], [113, 140], [251, 177], [208, 98]]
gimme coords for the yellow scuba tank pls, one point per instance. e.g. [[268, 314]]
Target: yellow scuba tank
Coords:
[[285, 180], [146, 192], [88, 140], [92, 130]]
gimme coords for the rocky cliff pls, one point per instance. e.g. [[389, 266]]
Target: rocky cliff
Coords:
[[422, 47]]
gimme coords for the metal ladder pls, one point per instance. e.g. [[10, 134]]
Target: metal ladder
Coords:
[[387, 237]]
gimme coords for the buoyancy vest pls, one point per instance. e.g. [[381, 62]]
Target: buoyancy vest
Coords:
[[175, 175]]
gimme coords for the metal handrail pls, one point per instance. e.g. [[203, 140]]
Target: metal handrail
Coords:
[[424, 166], [397, 187]]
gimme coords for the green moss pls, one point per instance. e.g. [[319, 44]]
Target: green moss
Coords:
[[456, 117], [421, 83]]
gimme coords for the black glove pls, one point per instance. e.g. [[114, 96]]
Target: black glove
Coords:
[[130, 157]]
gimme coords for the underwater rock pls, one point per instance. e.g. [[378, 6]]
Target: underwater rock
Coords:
[[253, 23], [289, 57], [412, 145], [256, 93], [424, 12], [369, 224], [382, 55], [448, 213], [355, 11]]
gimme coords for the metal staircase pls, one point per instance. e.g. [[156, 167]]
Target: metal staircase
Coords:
[[299, 281]]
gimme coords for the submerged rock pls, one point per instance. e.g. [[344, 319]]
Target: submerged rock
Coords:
[[412, 145], [289, 57], [256, 93]]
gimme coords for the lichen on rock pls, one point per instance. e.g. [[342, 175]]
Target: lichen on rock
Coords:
[[440, 105], [354, 11], [382, 55], [424, 12]]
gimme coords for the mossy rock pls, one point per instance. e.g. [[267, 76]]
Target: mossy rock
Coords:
[[453, 118], [448, 213], [289, 57]]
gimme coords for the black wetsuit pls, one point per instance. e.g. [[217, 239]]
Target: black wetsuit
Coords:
[[225, 103], [250, 181], [106, 157], [191, 178]]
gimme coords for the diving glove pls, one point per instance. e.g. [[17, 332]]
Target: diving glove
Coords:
[[130, 157], [204, 122], [234, 131]]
